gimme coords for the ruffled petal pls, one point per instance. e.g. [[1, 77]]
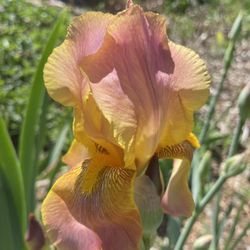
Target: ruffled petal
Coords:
[[190, 89], [178, 200], [63, 78], [103, 217], [138, 69], [63, 229]]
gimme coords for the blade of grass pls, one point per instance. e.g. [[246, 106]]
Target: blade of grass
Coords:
[[56, 153], [11, 169], [41, 137], [27, 150]]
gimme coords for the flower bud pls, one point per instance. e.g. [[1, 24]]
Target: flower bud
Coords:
[[203, 242], [35, 237], [237, 164], [244, 103]]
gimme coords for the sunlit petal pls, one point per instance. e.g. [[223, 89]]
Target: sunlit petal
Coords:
[[103, 217], [143, 82], [178, 200], [63, 78]]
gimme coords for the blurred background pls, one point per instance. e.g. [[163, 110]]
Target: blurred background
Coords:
[[202, 25]]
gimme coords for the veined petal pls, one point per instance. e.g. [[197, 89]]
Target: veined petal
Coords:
[[190, 89], [178, 200], [106, 218], [63, 78], [162, 82]]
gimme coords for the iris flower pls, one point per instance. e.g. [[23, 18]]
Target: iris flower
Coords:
[[134, 93]]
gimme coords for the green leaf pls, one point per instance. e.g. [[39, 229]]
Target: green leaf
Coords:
[[10, 168], [27, 147], [11, 236]]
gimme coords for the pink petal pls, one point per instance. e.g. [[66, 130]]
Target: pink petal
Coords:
[[178, 200], [138, 69]]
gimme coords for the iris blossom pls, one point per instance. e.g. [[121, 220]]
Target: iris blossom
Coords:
[[134, 93]]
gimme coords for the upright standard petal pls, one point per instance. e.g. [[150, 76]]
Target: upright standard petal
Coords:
[[103, 217], [161, 82], [63, 78], [67, 84]]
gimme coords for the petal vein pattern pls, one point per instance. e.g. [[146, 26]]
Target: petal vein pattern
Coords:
[[138, 68], [106, 218], [134, 93]]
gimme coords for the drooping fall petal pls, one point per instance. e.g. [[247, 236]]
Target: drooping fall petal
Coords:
[[103, 217], [178, 200]]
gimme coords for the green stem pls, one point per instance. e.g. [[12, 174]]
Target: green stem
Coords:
[[185, 231], [242, 234], [224, 219], [236, 137], [199, 209], [233, 227], [215, 224], [216, 187], [212, 105]]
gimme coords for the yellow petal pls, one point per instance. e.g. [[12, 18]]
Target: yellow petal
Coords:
[[190, 89], [63, 78], [106, 218], [144, 84]]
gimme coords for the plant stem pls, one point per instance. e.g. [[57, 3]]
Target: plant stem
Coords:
[[212, 105], [215, 224], [235, 141], [242, 234], [185, 231], [199, 209], [233, 227]]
